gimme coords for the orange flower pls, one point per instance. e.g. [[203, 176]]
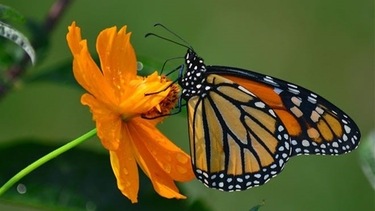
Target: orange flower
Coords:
[[116, 97]]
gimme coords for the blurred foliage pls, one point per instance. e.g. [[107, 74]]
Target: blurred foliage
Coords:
[[367, 156], [8, 13], [328, 46]]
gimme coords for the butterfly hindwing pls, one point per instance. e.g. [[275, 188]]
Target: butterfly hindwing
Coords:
[[237, 141]]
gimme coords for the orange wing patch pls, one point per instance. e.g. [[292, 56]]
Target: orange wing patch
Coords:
[[273, 100]]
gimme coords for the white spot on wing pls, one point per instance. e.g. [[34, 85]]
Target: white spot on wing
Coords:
[[294, 91], [277, 90], [311, 100], [293, 86], [272, 112], [270, 80], [305, 143], [245, 90], [260, 104], [347, 129]]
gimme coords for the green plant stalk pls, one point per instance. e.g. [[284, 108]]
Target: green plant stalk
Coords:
[[45, 159]]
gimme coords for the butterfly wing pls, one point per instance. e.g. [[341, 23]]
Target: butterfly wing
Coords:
[[237, 141], [315, 125]]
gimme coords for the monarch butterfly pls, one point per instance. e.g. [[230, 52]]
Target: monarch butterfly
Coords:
[[244, 126]]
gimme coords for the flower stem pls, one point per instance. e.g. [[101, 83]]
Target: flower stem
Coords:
[[45, 159]]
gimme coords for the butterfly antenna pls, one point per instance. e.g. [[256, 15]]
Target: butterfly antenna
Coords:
[[174, 34], [167, 39], [184, 42]]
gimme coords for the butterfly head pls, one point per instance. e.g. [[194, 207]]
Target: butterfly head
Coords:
[[192, 82]]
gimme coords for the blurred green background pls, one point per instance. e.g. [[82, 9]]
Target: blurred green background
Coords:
[[326, 46]]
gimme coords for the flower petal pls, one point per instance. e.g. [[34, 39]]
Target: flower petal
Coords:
[[108, 123], [74, 38], [138, 102], [117, 58], [125, 167], [85, 69], [161, 181], [174, 161]]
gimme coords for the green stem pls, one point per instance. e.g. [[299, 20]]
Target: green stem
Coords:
[[45, 159]]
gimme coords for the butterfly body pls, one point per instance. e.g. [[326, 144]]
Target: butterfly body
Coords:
[[244, 126]]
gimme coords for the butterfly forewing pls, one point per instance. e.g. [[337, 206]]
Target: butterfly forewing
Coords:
[[315, 125], [325, 130]]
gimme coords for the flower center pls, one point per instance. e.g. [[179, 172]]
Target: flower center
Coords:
[[126, 117], [166, 105]]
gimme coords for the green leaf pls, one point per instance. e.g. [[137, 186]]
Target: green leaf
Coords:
[[8, 13], [18, 38]]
